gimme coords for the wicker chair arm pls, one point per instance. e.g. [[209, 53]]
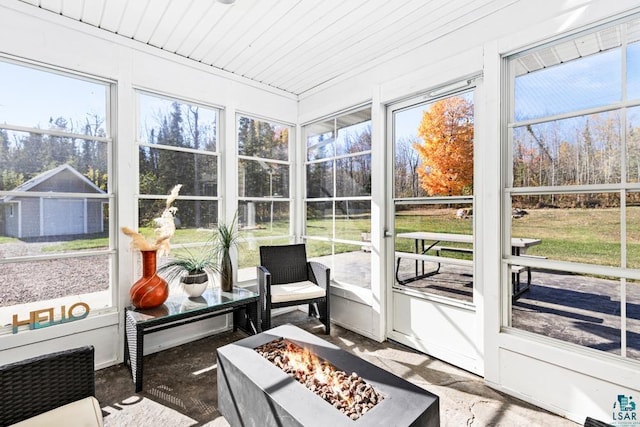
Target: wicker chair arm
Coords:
[[36, 385], [264, 280], [264, 286], [319, 274]]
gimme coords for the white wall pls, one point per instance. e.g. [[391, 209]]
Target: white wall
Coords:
[[570, 382], [32, 34]]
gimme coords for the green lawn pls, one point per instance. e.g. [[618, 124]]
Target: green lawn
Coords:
[[580, 235], [78, 245]]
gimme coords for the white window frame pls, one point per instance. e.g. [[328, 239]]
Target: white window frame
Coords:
[[109, 305], [335, 199], [621, 188], [292, 174]]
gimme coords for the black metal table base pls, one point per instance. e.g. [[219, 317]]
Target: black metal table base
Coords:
[[245, 316]]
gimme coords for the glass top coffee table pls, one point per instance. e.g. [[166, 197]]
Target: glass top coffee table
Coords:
[[180, 310]]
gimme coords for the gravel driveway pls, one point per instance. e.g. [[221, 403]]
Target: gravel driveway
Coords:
[[23, 282]]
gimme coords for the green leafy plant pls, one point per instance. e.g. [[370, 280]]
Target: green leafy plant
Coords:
[[189, 264], [225, 237]]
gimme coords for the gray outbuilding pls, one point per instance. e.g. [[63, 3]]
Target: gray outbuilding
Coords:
[[40, 216]]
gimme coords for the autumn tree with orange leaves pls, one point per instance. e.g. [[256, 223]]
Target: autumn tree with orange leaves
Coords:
[[446, 130]]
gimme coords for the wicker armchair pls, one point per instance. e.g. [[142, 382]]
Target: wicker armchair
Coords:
[[592, 422], [286, 278], [37, 385]]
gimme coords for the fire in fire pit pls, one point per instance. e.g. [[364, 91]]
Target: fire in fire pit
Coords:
[[254, 392], [350, 394]]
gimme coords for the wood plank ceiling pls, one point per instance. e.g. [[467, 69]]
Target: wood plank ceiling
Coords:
[[291, 45]]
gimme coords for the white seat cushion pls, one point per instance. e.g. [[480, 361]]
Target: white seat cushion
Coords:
[[81, 413], [296, 291]]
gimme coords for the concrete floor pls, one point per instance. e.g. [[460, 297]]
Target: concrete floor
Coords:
[[180, 384]]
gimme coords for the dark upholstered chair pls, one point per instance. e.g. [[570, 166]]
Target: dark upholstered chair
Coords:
[[286, 278], [592, 422], [37, 385]]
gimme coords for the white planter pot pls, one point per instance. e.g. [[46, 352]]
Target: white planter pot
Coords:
[[194, 286]]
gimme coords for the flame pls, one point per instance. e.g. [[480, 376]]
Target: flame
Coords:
[[350, 394], [308, 364]]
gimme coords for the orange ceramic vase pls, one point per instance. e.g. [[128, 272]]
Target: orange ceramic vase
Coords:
[[151, 290]]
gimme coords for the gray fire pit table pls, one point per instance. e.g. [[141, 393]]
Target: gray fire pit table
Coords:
[[254, 392]]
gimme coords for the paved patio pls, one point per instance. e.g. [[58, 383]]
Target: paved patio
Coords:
[[572, 308]]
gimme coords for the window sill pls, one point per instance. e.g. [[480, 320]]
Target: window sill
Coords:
[[352, 293], [25, 336]]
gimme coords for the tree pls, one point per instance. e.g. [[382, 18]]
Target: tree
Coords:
[[583, 150], [263, 178], [447, 151], [407, 164], [357, 179]]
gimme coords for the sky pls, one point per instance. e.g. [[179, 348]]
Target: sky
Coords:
[[153, 108], [60, 95], [592, 81], [589, 82], [408, 120]]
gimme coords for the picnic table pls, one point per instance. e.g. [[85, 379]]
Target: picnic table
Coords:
[[426, 242]]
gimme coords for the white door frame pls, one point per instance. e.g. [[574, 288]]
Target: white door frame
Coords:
[[447, 329]]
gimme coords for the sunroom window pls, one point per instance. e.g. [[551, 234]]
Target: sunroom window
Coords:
[[56, 196], [264, 196], [574, 185], [338, 196], [178, 145]]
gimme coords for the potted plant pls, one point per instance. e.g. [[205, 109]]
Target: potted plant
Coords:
[[191, 269], [225, 237]]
